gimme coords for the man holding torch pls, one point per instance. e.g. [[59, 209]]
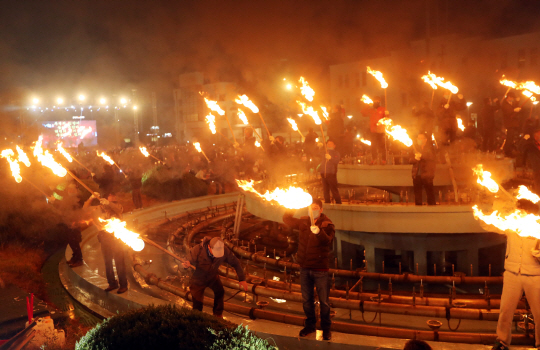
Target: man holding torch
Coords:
[[314, 244], [328, 169], [376, 113], [446, 114], [206, 258], [423, 170]]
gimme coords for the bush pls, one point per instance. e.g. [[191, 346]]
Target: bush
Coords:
[[155, 327], [239, 338]]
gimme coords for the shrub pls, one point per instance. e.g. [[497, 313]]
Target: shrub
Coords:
[[239, 338]]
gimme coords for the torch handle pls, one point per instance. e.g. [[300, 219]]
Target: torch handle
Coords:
[[37, 188], [264, 123], [230, 127], [432, 97], [156, 158], [81, 164], [204, 154], [449, 97], [154, 244], [79, 181]]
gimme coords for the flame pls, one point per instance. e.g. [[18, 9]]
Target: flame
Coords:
[[244, 100], [291, 198], [211, 121], [529, 95], [396, 131], [293, 124], [324, 112], [528, 85], [525, 193], [213, 105], [106, 157], [379, 76], [310, 111], [484, 179], [257, 144], [243, 117], [64, 152], [460, 124], [434, 80], [197, 146], [13, 164], [144, 151], [23, 158], [46, 159], [118, 228], [525, 225], [367, 100], [508, 83], [306, 90], [367, 142]]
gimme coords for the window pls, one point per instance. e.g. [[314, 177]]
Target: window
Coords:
[[521, 58], [534, 56]]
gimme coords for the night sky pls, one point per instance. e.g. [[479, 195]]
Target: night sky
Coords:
[[108, 46]]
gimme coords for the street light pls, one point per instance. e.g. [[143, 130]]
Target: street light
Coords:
[[469, 104], [82, 98], [60, 100], [102, 101], [289, 86], [468, 110], [35, 100], [349, 116], [135, 108], [123, 101]]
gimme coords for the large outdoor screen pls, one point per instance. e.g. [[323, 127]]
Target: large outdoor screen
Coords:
[[70, 132]]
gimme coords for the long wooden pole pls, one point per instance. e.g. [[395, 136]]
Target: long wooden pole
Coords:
[[230, 127], [154, 244], [79, 181], [264, 123], [37, 188]]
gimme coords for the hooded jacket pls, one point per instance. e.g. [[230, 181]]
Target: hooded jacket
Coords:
[[207, 267], [313, 249]]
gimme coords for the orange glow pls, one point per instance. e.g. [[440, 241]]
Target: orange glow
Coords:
[[64, 152], [211, 121], [13, 164], [306, 90], [106, 157], [528, 85], [379, 76], [46, 159], [484, 179], [434, 80], [525, 193], [324, 112], [144, 151], [293, 124], [23, 158], [197, 146], [529, 95], [460, 124], [213, 105], [291, 198], [367, 100], [257, 144], [311, 112], [525, 225], [242, 116], [244, 100], [118, 228], [364, 141], [396, 131]]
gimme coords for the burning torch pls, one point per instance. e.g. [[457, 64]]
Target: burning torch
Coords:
[[379, 76], [199, 149], [213, 105], [146, 154], [295, 128]]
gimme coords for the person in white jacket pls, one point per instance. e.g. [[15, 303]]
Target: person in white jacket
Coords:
[[522, 274]]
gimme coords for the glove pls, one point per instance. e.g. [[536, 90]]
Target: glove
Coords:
[[51, 199], [236, 145], [517, 109], [418, 156], [386, 112], [95, 195], [460, 96], [526, 137], [327, 156], [271, 138], [103, 201], [303, 139], [244, 285], [315, 229], [446, 106], [186, 264]]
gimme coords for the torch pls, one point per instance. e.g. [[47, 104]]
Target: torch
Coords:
[[434, 80], [295, 127], [245, 120], [146, 154], [199, 149], [8, 154], [379, 76], [244, 100], [110, 161], [69, 157], [213, 105]]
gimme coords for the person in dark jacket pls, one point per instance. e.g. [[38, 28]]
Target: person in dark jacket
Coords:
[[488, 124], [328, 169], [377, 137], [423, 170], [314, 245], [531, 155], [426, 118], [512, 123], [206, 258], [446, 114]]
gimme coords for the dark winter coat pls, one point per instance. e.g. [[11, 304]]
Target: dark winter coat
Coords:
[[313, 249], [425, 167], [511, 119], [207, 267], [330, 166]]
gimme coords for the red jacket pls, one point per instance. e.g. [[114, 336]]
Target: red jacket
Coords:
[[374, 116]]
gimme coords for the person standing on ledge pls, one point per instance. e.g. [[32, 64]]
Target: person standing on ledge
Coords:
[[423, 170], [328, 169], [206, 258], [314, 245]]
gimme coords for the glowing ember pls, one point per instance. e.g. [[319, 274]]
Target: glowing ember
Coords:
[[460, 124], [484, 179], [243, 117], [144, 151], [23, 158], [197, 146], [106, 157], [525, 225], [64, 152], [367, 100], [291, 198], [293, 124], [434, 80], [311, 112], [211, 121], [379, 76], [46, 159], [525, 193], [324, 112], [244, 100], [396, 131], [306, 90], [367, 142], [118, 228], [213, 105], [13, 164]]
